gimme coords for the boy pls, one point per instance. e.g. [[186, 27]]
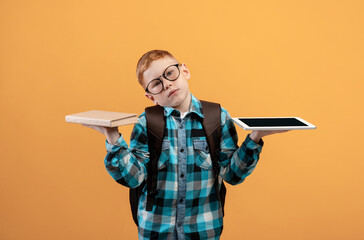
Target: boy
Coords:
[[186, 205]]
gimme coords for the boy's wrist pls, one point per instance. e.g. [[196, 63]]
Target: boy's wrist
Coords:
[[113, 137], [255, 136]]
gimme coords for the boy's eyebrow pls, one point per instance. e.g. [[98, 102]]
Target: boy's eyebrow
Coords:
[[154, 77], [158, 76]]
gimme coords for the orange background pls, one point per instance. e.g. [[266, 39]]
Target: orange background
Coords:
[[267, 58]]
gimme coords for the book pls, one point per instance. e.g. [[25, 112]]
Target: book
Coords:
[[102, 118]]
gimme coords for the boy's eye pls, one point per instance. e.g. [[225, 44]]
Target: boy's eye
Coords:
[[172, 74], [155, 83]]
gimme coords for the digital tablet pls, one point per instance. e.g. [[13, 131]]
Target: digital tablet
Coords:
[[273, 123]]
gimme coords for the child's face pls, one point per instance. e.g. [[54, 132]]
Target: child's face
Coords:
[[176, 93]]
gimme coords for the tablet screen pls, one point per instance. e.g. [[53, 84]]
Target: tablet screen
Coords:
[[272, 122]]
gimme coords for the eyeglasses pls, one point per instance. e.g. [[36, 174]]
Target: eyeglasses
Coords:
[[156, 86]]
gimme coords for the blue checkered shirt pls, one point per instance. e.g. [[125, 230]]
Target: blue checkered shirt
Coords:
[[186, 206]]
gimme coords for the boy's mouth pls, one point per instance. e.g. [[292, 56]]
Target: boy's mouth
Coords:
[[172, 92]]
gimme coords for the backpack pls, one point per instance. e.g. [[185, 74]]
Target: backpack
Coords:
[[156, 125]]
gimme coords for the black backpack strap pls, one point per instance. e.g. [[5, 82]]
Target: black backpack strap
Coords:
[[134, 195], [212, 128], [156, 125], [155, 131]]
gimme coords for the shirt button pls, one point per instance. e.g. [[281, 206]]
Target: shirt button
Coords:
[[182, 175], [181, 126], [182, 150], [181, 200], [179, 224]]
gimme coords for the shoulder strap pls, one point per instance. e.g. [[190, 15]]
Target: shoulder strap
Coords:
[[212, 128], [156, 125]]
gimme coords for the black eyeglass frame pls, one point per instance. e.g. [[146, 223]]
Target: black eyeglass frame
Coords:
[[164, 75]]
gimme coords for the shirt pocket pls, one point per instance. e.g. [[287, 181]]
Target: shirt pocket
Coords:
[[201, 154], [164, 157]]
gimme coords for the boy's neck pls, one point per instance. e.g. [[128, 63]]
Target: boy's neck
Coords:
[[185, 106]]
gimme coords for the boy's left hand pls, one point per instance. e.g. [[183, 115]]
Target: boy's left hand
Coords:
[[257, 135]]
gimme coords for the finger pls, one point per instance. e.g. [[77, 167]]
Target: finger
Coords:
[[90, 126], [283, 131]]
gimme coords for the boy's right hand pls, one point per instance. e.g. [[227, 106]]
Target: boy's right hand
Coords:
[[112, 133]]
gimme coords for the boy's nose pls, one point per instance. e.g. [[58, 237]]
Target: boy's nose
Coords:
[[166, 83]]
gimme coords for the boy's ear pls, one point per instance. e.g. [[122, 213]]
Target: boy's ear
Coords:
[[151, 98], [185, 71]]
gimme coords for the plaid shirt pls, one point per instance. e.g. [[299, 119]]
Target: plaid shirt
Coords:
[[186, 205]]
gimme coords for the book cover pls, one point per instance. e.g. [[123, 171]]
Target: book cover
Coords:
[[102, 118]]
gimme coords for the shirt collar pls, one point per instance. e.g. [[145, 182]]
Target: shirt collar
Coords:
[[195, 107]]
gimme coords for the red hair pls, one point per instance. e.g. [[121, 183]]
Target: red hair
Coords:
[[148, 57]]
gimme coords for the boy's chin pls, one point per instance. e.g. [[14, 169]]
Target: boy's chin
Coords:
[[169, 105]]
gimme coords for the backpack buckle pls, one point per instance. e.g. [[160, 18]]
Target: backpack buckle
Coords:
[[152, 193], [150, 199]]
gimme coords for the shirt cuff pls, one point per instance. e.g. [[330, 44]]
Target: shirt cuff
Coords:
[[116, 147], [251, 149], [249, 143]]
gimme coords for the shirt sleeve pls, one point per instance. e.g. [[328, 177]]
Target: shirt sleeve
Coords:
[[127, 165], [236, 162]]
